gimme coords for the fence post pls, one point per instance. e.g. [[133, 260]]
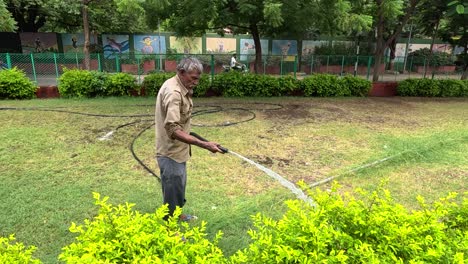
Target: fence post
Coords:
[[295, 66], [138, 69], [328, 61], [342, 66], [8, 60], [212, 66], [56, 66], [369, 61], [33, 67], [99, 62], [77, 64], [117, 64], [281, 66], [312, 65]]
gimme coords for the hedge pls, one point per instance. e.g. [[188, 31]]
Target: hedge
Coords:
[[367, 227], [14, 84], [433, 88]]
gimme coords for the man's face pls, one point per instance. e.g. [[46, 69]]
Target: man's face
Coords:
[[190, 79]]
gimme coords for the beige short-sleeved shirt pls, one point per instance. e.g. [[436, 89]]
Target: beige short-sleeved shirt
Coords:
[[173, 111]]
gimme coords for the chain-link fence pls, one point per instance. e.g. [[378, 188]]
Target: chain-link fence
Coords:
[[46, 68]]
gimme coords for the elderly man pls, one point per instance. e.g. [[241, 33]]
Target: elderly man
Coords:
[[173, 140]]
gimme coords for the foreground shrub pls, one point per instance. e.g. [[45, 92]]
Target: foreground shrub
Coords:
[[120, 84], [237, 84], [15, 85], [324, 85], [371, 229], [16, 253], [121, 235], [80, 83], [432, 88], [154, 81], [357, 86], [453, 88]]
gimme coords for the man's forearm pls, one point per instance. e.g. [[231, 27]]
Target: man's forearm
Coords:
[[181, 135]]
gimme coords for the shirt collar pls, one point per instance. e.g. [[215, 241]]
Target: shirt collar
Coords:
[[183, 89]]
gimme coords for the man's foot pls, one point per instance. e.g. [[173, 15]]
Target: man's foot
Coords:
[[187, 217]]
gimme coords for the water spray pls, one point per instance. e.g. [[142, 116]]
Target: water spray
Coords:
[[297, 191]]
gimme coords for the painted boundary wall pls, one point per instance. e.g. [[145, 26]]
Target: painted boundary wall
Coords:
[[153, 43]]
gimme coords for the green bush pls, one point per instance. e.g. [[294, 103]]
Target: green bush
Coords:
[[357, 86], [430, 88], [16, 253], [370, 229], [15, 85], [427, 88], [121, 235], [453, 88], [154, 81], [407, 87], [324, 85], [203, 86], [236, 84], [288, 85], [81, 83], [120, 84]]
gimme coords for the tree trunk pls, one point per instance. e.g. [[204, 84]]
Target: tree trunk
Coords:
[[258, 47], [465, 72], [86, 35], [380, 45], [434, 33], [391, 63], [299, 55]]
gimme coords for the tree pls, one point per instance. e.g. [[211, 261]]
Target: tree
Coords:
[[389, 10], [30, 15], [455, 31], [8, 23], [430, 17], [293, 18], [308, 19]]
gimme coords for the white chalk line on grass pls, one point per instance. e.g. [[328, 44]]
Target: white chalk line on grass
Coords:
[[298, 192]]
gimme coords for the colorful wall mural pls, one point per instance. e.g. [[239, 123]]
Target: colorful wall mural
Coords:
[[114, 44], [75, 42], [38, 42], [308, 46], [220, 45], [247, 48], [186, 45], [284, 47], [149, 44]]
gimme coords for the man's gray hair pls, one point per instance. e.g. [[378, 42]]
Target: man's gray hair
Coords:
[[189, 64]]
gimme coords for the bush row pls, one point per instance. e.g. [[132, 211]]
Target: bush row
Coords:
[[235, 84], [81, 83], [369, 227], [14, 84], [433, 88]]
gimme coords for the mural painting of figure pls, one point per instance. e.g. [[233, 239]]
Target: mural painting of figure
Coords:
[[285, 48], [221, 46], [74, 40], [38, 46], [147, 48]]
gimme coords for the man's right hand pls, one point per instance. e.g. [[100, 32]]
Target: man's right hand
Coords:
[[212, 146]]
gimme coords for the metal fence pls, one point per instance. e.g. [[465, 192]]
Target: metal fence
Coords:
[[46, 68]]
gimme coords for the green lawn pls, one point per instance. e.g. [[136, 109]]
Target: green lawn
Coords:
[[51, 162]]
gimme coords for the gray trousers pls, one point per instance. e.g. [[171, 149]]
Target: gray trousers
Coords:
[[173, 182]]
